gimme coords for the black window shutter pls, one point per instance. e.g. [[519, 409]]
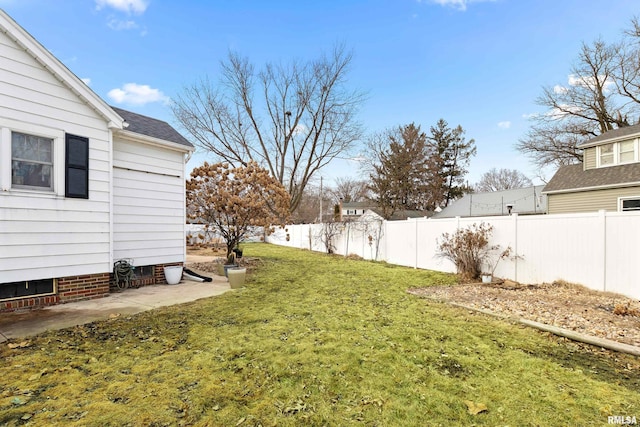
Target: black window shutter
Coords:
[[76, 166]]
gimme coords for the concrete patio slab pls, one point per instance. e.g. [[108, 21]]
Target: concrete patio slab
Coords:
[[23, 324]]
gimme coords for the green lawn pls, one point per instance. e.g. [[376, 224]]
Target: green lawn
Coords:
[[314, 340]]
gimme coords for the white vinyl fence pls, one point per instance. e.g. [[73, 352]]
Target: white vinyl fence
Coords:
[[600, 250]]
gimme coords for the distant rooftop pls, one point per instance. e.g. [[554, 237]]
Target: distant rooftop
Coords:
[[524, 201]]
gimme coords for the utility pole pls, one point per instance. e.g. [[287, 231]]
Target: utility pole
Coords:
[[321, 200]]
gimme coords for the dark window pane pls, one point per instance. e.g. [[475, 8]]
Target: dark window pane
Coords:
[[30, 174], [631, 205]]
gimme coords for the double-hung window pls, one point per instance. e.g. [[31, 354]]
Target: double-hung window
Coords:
[[606, 155], [617, 153], [626, 151], [31, 162], [36, 163]]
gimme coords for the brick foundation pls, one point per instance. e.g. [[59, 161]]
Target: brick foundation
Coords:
[[28, 303], [79, 288]]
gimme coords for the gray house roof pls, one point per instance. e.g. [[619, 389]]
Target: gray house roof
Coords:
[[574, 177], [401, 215], [611, 135], [358, 205], [524, 201], [149, 126]]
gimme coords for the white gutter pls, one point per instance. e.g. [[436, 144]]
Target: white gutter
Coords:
[[596, 187]]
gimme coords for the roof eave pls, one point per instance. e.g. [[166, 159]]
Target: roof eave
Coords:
[[145, 139], [588, 144], [594, 187]]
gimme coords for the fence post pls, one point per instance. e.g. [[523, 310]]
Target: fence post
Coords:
[[415, 265], [603, 220], [515, 245]]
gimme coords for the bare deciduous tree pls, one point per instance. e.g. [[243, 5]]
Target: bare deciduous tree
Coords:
[[293, 120], [348, 190], [602, 94], [502, 179]]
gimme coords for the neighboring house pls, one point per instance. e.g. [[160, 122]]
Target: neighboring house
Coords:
[[353, 210], [82, 184], [608, 179], [523, 201]]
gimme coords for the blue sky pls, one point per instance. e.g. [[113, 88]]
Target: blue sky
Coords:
[[477, 63]]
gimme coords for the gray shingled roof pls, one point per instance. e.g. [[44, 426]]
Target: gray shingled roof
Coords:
[[612, 134], [149, 126], [573, 177]]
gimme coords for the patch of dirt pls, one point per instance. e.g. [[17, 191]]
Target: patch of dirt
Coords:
[[601, 314], [212, 267], [219, 250]]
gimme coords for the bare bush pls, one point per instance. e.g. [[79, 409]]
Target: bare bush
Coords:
[[468, 248]]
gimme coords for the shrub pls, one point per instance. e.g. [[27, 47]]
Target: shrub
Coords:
[[468, 248]]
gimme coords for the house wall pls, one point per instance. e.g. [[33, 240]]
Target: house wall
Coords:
[[589, 158], [43, 234], [589, 201], [148, 203], [595, 249]]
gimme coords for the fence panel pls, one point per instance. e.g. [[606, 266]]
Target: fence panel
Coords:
[[598, 250], [622, 253], [567, 246]]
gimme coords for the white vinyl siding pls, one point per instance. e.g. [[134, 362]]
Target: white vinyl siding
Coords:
[[589, 158], [45, 235], [148, 204]]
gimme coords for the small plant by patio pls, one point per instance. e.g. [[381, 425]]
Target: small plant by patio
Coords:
[[468, 249]]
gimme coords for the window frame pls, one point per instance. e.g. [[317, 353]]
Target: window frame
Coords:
[[616, 153], [54, 287], [634, 151], [52, 164], [7, 126], [621, 201]]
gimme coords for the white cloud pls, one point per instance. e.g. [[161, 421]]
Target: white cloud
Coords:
[[135, 94], [300, 129], [504, 125], [117, 24], [589, 81], [129, 6], [87, 81], [461, 5], [560, 89]]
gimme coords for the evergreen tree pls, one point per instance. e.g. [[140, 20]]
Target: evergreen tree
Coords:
[[450, 156], [400, 171]]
